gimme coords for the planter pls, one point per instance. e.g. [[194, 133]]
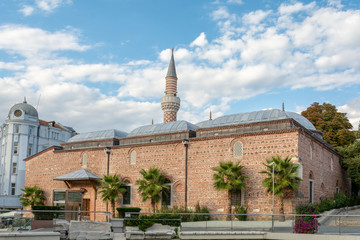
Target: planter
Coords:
[[41, 224], [117, 225]]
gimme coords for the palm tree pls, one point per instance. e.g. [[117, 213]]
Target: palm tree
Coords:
[[111, 187], [228, 177], [286, 180], [152, 185], [32, 196]]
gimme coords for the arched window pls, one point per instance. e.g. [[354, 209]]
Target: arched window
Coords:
[[126, 196], [331, 164], [311, 187], [299, 171], [237, 197], [133, 157], [84, 160], [238, 149], [166, 195]]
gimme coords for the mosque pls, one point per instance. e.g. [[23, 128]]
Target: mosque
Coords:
[[186, 153]]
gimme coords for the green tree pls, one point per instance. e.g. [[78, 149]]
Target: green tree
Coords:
[[285, 179], [152, 185], [335, 125], [32, 196], [228, 176], [351, 159], [111, 188]]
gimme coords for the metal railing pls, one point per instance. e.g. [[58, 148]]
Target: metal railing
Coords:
[[344, 224]]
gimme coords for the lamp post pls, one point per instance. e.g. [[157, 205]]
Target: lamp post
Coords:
[[108, 152], [273, 195]]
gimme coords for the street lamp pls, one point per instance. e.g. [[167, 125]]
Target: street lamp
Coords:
[[108, 152], [273, 194]]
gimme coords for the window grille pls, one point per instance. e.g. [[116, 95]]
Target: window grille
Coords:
[[238, 149], [133, 157]]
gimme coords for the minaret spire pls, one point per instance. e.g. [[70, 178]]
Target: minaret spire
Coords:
[[170, 103]]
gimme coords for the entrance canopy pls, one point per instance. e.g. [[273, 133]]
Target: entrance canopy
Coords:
[[78, 175]]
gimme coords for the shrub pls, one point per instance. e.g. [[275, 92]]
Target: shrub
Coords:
[[123, 210], [324, 205], [46, 215], [341, 200], [306, 224], [189, 217], [200, 217], [145, 224], [146, 221], [241, 210]]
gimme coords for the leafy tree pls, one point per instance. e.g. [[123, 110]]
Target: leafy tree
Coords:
[[285, 179], [228, 177], [152, 185], [335, 125], [111, 188], [351, 159], [32, 196]]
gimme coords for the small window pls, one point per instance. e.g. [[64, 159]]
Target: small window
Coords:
[[133, 157], [31, 131], [235, 197], [238, 149], [311, 191], [15, 148], [126, 196], [59, 196], [13, 189], [16, 128], [84, 160], [14, 166], [331, 164], [30, 150], [299, 171], [74, 196], [311, 152], [166, 194]]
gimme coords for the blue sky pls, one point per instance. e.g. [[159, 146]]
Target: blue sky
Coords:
[[101, 64]]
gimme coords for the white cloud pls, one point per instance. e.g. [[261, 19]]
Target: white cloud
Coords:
[[27, 10], [295, 46], [200, 41], [35, 42], [239, 2], [47, 6], [352, 108], [255, 17], [50, 5]]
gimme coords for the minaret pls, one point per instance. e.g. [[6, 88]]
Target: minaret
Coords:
[[170, 103]]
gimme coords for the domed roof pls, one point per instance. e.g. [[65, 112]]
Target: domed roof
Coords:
[[25, 107], [98, 135], [257, 116], [169, 127]]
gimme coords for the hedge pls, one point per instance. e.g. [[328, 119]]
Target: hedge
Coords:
[[123, 210], [46, 215]]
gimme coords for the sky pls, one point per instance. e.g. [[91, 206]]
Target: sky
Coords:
[[101, 64]]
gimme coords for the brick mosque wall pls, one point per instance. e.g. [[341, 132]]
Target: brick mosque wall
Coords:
[[203, 155]]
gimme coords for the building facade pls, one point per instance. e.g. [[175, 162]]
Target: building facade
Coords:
[[187, 154], [23, 135]]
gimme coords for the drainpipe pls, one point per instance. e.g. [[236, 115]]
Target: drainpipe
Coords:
[[186, 144]]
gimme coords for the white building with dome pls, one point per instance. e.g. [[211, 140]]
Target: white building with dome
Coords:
[[22, 135]]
